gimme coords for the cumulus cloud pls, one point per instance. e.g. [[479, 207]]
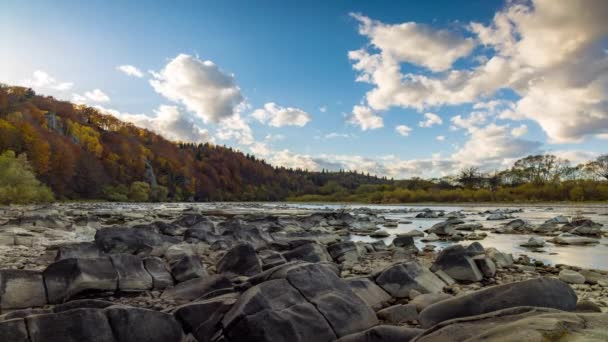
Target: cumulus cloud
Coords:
[[167, 121], [440, 138], [41, 81], [552, 55], [236, 128], [416, 43], [201, 86], [130, 70], [403, 130], [431, 120], [92, 96], [519, 131], [365, 118], [277, 116]]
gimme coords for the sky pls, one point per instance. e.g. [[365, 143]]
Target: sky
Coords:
[[394, 88]]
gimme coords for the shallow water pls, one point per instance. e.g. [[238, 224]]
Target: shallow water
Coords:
[[592, 256]]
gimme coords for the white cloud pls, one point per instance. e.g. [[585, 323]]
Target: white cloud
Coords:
[[519, 131], [92, 96], [440, 138], [130, 70], [334, 135], [201, 86], [323, 109], [278, 116], [416, 43], [552, 55], [236, 128], [472, 120], [431, 120], [403, 130], [167, 121], [41, 81], [365, 118]]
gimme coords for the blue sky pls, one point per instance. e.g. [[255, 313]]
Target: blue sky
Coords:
[[296, 55]]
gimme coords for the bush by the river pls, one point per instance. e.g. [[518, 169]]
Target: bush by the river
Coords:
[[18, 184]]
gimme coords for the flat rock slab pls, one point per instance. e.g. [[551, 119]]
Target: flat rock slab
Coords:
[[539, 292], [71, 326], [21, 289]]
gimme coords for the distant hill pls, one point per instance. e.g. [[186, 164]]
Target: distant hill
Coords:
[[81, 153]]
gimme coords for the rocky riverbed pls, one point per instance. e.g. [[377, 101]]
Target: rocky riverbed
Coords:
[[275, 272]]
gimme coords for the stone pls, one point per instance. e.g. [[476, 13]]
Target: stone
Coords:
[[188, 267], [456, 262], [343, 251], [404, 242], [445, 278], [430, 238], [592, 277], [534, 242], [161, 278], [240, 260], [399, 279], [587, 306], [413, 233], [558, 219], [398, 313], [367, 290], [13, 330], [485, 265], [444, 228], [82, 304], [570, 239], [135, 324], [202, 318], [475, 248], [142, 241], [70, 326], [68, 277], [275, 311], [380, 234], [21, 289], [78, 250], [500, 259], [132, 276], [383, 333], [199, 288], [425, 300], [311, 252], [571, 277], [541, 292]]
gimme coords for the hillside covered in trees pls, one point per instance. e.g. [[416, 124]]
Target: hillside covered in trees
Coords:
[[81, 153]]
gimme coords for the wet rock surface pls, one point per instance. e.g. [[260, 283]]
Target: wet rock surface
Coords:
[[258, 272]]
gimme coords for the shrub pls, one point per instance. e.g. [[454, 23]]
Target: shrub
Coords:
[[18, 184]]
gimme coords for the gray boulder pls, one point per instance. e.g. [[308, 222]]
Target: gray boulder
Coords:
[[541, 292], [343, 251], [571, 277], [398, 313], [500, 259], [485, 265], [161, 278], [78, 250], [367, 290], [14, 330], [570, 239], [199, 288], [241, 260], [311, 252], [427, 299], [534, 242], [399, 279], [68, 277], [132, 276], [21, 289], [188, 267], [135, 324], [456, 262], [78, 325], [202, 318], [404, 242], [142, 241]]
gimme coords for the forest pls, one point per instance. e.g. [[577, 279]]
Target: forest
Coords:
[[65, 151]]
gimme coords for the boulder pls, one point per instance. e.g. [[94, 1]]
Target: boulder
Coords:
[[571, 277], [430, 238], [412, 233], [132, 276], [587, 306], [202, 318], [199, 288], [559, 220], [161, 278], [78, 250], [188, 267], [485, 265], [343, 251], [380, 234], [427, 299], [404, 242], [142, 241], [14, 330], [311, 252], [475, 249], [398, 313], [68, 277], [444, 228], [383, 333], [399, 279], [367, 290], [21, 289], [570, 239], [534, 242], [135, 324], [241, 260], [275, 311], [500, 259], [70, 326], [498, 217], [456, 262], [82, 304], [541, 292]]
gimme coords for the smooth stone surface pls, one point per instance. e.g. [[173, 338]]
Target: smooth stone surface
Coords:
[[367, 290], [240, 260], [400, 278], [571, 277], [78, 325], [134, 324], [383, 333], [132, 276], [21, 289]]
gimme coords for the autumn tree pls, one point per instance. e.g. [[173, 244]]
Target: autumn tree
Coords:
[[18, 184]]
